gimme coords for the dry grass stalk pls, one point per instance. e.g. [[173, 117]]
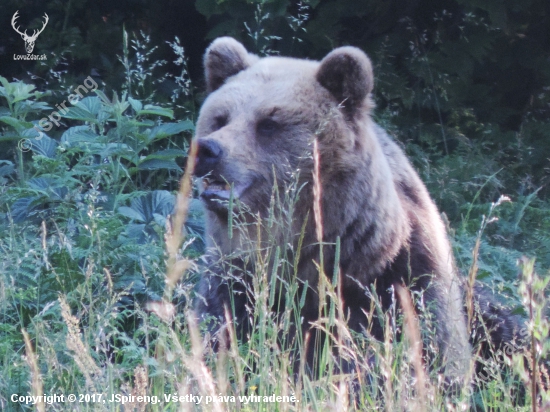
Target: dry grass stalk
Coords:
[[139, 389], [84, 361], [302, 366], [471, 281], [164, 310], [342, 403], [528, 273], [109, 280], [318, 217], [412, 332], [472, 274], [44, 234], [36, 379], [196, 366], [317, 192], [386, 365], [174, 236]]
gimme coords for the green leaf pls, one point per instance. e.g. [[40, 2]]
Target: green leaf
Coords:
[[32, 134], [16, 91], [195, 217], [7, 137], [131, 213], [22, 91], [169, 129], [156, 110], [103, 97], [18, 125], [121, 149], [49, 186], [140, 123], [44, 146], [22, 208], [136, 104], [41, 183], [158, 164], [167, 154], [5, 83], [77, 134], [6, 167], [144, 208], [30, 105], [86, 110]]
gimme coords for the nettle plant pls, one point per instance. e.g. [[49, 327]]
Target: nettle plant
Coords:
[[120, 142], [87, 191]]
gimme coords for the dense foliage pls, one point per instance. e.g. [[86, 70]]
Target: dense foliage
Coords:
[[464, 85]]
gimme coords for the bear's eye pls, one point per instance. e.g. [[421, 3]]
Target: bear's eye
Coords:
[[267, 126], [220, 121]]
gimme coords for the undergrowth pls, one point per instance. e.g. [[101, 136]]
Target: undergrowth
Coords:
[[98, 272]]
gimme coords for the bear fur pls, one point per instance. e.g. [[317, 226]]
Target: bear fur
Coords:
[[255, 130]]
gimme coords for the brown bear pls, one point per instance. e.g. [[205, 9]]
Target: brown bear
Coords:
[[255, 131]]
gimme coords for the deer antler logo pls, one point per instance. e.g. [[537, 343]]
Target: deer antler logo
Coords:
[[29, 40]]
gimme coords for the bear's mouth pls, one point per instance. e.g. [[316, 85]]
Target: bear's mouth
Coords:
[[217, 192], [217, 187]]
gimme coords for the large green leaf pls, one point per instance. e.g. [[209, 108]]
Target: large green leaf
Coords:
[[16, 91], [120, 149], [18, 125], [78, 134], [144, 208], [36, 106], [7, 137], [44, 146], [86, 110], [151, 211], [22, 208], [156, 110], [49, 186], [195, 218], [164, 159], [169, 129], [47, 191], [168, 154], [131, 213], [6, 167], [136, 104]]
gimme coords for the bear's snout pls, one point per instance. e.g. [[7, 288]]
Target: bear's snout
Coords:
[[208, 156]]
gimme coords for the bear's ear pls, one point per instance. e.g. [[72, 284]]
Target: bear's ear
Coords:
[[224, 58], [346, 72]]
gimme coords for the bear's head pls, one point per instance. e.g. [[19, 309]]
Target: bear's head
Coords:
[[257, 124]]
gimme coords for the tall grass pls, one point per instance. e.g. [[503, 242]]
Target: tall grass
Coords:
[[68, 327], [88, 350]]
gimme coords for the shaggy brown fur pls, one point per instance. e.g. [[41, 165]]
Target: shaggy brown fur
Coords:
[[256, 129]]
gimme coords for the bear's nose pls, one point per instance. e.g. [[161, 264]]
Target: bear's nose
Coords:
[[208, 155]]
